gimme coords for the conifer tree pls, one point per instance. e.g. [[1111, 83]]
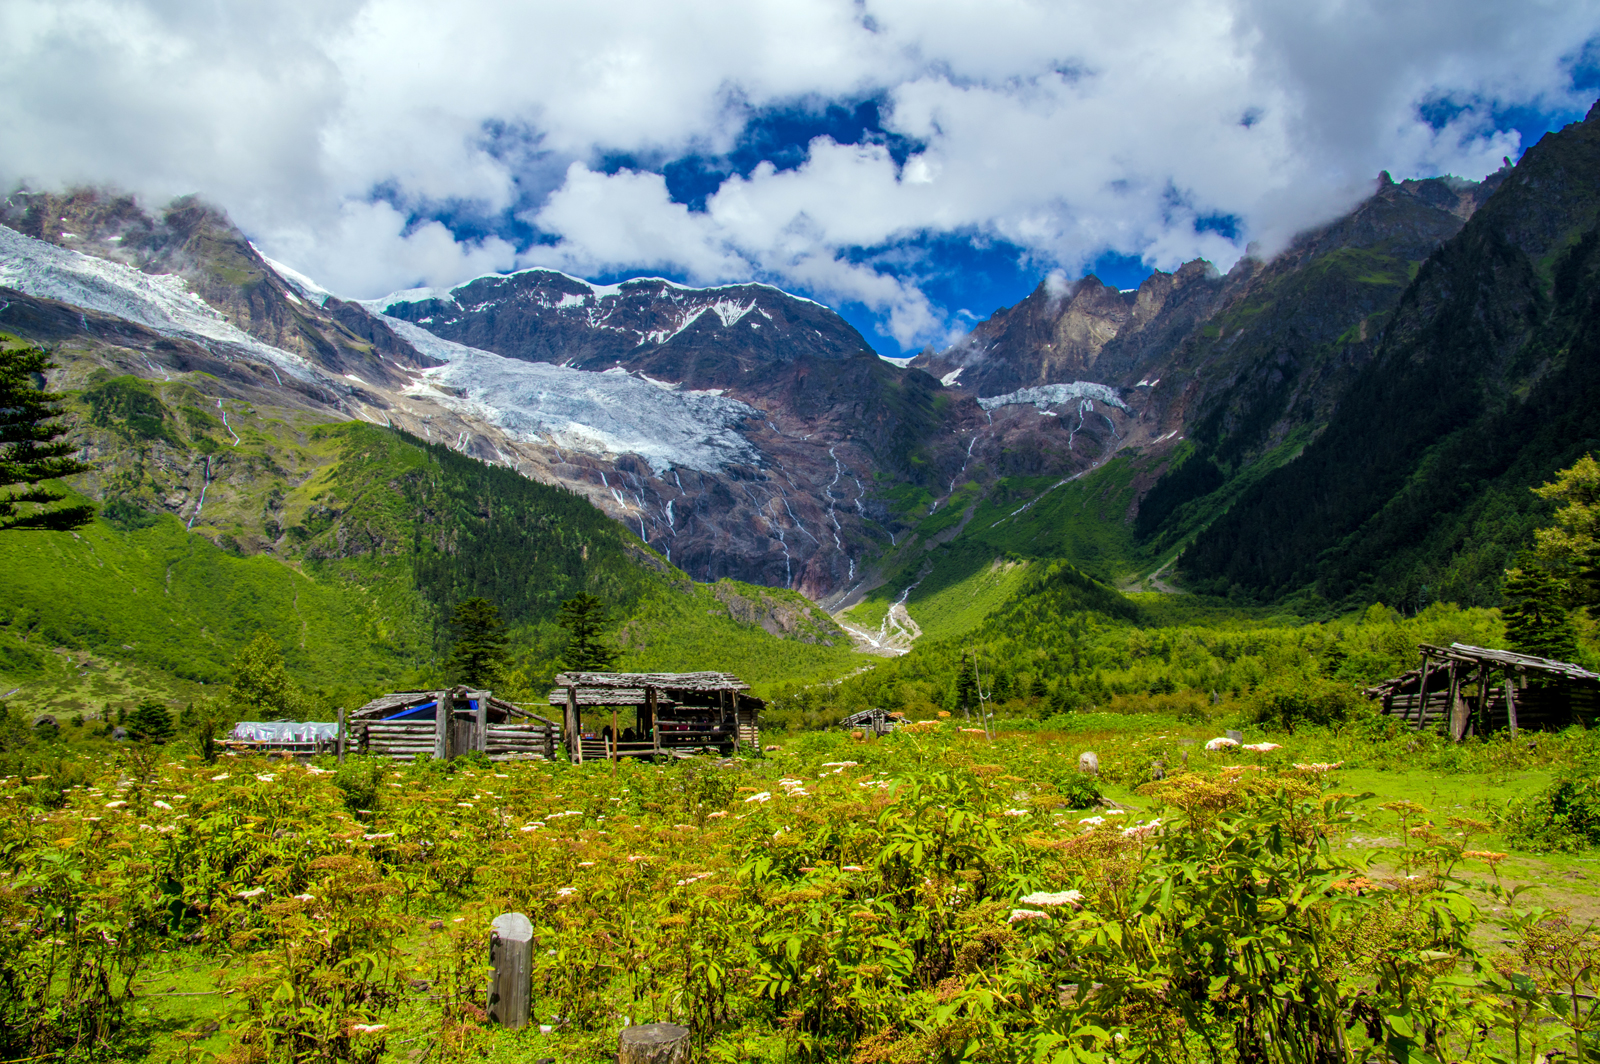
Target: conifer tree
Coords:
[[262, 688], [33, 447], [584, 618], [150, 722], [1537, 621], [478, 654]]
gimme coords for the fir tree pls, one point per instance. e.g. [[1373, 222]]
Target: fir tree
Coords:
[[584, 618], [1536, 616], [478, 654], [150, 722], [33, 448]]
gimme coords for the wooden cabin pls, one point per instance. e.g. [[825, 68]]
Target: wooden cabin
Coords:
[[449, 723], [877, 721], [1464, 690], [648, 714]]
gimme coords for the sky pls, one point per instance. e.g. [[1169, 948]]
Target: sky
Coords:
[[915, 164]]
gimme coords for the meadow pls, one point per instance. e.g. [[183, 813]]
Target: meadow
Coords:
[[936, 894]]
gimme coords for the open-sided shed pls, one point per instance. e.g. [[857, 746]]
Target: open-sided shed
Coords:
[[1466, 690], [449, 723], [670, 711]]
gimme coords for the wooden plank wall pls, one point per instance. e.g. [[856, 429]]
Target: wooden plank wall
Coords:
[[403, 740], [1538, 707]]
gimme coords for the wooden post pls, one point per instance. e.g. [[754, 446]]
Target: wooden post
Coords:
[[615, 757], [441, 726], [650, 712], [1511, 708], [480, 724], [1482, 714], [339, 742], [1453, 708], [511, 956], [1422, 692], [653, 1043], [574, 738]]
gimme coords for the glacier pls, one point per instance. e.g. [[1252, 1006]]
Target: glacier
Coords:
[[163, 302], [608, 413], [601, 413], [1054, 394]]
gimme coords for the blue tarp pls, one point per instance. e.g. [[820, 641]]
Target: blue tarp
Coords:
[[426, 710]]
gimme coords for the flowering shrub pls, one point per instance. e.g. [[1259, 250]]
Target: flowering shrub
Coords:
[[931, 897]]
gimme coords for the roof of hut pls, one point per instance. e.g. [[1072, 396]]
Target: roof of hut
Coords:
[[1485, 656], [385, 706], [669, 681]]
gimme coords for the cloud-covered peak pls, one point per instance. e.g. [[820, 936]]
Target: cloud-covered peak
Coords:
[[839, 147]]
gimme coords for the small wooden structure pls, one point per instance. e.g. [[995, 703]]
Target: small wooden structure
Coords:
[[1465, 690], [449, 723], [671, 711], [878, 721]]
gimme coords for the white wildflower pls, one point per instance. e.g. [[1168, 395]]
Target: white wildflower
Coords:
[[1060, 897]]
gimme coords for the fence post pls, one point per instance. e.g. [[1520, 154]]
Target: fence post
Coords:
[[653, 1043], [339, 742], [511, 955], [441, 726]]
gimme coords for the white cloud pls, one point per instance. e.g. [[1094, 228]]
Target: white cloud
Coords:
[[1069, 128]]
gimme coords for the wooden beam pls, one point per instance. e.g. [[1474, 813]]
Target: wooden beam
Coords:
[[574, 737], [650, 708], [480, 722], [1422, 690], [1511, 708], [441, 727], [339, 743]]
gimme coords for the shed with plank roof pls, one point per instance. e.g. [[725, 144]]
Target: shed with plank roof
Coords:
[[1466, 690], [451, 722], [671, 711]]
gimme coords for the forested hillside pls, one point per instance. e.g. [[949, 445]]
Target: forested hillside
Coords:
[[347, 543], [1487, 381]]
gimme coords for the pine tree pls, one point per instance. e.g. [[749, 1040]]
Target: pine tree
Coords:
[[32, 444], [150, 722], [967, 686], [584, 618], [1536, 615], [478, 654]]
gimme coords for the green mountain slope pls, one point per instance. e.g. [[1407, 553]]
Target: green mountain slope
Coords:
[[348, 543], [1486, 382]]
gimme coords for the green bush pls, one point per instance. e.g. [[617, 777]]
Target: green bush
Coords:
[[1564, 816], [359, 778], [1292, 701]]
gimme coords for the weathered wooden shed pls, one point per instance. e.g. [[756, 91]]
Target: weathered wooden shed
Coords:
[[1465, 690], [449, 723], [670, 711]]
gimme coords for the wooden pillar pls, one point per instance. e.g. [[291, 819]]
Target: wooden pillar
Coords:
[[1422, 692], [614, 743], [1511, 708], [511, 957], [1454, 709], [654, 1043], [650, 706], [480, 723], [339, 742], [1482, 714], [574, 739], [441, 726]]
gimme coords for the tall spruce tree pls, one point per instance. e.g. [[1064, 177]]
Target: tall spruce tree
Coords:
[[584, 618], [478, 655], [33, 444], [1536, 614], [150, 722]]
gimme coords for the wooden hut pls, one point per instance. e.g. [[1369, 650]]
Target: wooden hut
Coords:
[[449, 723], [670, 711], [1464, 690]]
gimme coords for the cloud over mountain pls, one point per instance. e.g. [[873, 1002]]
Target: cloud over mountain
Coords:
[[378, 144]]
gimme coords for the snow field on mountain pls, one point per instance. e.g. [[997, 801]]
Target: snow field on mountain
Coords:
[[1053, 394], [162, 302], [611, 412]]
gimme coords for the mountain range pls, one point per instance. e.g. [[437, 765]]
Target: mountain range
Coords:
[[1355, 417]]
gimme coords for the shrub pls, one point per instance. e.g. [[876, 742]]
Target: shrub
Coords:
[[1291, 701], [1564, 816]]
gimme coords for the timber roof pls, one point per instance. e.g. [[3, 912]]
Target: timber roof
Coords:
[[668, 681], [1488, 657]]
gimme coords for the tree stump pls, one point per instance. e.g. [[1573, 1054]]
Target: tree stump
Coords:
[[653, 1043], [1158, 770], [1089, 762], [511, 955]]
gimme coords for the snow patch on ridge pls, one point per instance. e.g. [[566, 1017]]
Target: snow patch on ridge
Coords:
[[1053, 394], [606, 413], [161, 301]]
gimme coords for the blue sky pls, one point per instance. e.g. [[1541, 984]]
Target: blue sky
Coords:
[[914, 163]]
